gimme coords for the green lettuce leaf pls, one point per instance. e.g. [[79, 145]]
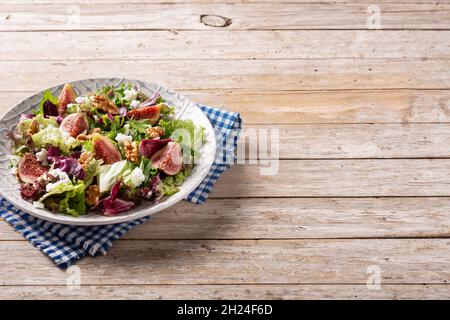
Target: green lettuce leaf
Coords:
[[177, 130], [170, 185], [58, 189], [25, 124], [73, 202], [109, 174], [92, 169], [47, 96], [52, 136]]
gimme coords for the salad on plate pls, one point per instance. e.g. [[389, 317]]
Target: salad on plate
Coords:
[[106, 151]]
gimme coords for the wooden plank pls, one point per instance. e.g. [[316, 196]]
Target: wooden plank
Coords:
[[287, 44], [239, 16], [277, 107], [337, 178], [226, 292], [400, 261], [293, 218], [331, 141], [244, 74], [209, 1]]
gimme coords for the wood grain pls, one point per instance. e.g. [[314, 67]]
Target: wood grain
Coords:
[[344, 141], [130, 45], [226, 292], [347, 107], [244, 74], [293, 218], [341, 178], [193, 262], [242, 16], [360, 114]]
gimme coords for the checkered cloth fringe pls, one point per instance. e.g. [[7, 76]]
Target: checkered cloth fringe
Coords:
[[66, 244]]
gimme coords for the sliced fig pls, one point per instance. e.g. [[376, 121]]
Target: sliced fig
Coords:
[[148, 147], [151, 113], [169, 159], [105, 149], [29, 168], [66, 96], [74, 124]]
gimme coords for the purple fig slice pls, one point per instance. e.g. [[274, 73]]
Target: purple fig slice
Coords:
[[148, 147], [151, 113], [74, 124], [66, 96], [29, 168], [169, 159], [105, 149]]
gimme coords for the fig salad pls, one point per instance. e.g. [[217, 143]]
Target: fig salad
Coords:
[[107, 151]]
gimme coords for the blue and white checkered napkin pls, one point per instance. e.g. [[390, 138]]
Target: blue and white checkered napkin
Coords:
[[66, 244]]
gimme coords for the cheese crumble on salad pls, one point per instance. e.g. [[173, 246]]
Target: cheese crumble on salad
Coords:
[[107, 151]]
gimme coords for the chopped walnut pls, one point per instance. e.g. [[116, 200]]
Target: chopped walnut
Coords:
[[85, 158], [82, 137], [92, 195], [142, 96], [34, 128], [131, 151], [103, 103], [155, 132]]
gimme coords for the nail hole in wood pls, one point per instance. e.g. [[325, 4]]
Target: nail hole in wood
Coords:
[[215, 21]]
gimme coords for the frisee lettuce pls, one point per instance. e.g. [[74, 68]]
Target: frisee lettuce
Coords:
[[73, 203], [170, 184], [52, 136]]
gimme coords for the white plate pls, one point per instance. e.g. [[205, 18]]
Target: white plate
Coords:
[[9, 186]]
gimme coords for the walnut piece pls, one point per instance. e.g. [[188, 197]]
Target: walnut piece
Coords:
[[155, 132], [131, 151], [85, 158], [103, 103], [82, 137], [92, 195], [34, 127]]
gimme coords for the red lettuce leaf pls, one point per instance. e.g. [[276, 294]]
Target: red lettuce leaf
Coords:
[[112, 205], [151, 101], [50, 109], [69, 165]]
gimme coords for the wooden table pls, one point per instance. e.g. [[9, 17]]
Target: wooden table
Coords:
[[363, 116]]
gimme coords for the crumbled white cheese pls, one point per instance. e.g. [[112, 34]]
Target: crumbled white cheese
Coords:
[[121, 138], [135, 103], [42, 156], [82, 99], [130, 94], [137, 177], [127, 129], [62, 177], [58, 173]]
